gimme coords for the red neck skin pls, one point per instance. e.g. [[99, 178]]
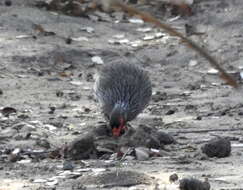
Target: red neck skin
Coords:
[[117, 131]]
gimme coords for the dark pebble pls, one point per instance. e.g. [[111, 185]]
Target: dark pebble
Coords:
[[14, 157], [164, 138], [193, 86], [68, 40], [43, 143], [8, 3], [52, 110], [89, 77], [27, 136], [59, 93], [82, 148], [153, 143], [190, 107], [193, 184], [133, 1], [23, 116], [240, 113], [143, 136], [87, 110], [158, 96], [218, 147], [74, 96], [170, 112], [8, 110], [41, 4], [173, 178]]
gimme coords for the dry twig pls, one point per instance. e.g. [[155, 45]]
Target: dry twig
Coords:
[[150, 19]]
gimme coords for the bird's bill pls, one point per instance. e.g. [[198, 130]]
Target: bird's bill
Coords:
[[116, 131]]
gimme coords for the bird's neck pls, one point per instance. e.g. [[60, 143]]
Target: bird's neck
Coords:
[[119, 111], [121, 106]]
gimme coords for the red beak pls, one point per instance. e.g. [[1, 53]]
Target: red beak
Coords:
[[116, 131]]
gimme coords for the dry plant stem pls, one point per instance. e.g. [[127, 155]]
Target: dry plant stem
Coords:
[[123, 158], [126, 153], [150, 19]]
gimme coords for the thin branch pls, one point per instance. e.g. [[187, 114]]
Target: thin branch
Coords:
[[150, 19]]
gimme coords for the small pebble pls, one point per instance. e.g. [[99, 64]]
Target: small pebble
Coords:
[[199, 118], [213, 71], [173, 178], [159, 96], [136, 21], [59, 93], [170, 112], [15, 156], [43, 143], [142, 153], [89, 77], [67, 165], [52, 110], [68, 40], [97, 60], [39, 181]]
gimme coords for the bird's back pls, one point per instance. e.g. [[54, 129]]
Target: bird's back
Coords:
[[126, 85]]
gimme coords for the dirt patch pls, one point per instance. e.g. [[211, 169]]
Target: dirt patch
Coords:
[[116, 178]]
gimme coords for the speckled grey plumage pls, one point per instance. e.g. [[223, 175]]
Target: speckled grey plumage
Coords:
[[124, 85]]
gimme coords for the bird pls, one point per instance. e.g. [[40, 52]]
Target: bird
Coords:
[[123, 91]]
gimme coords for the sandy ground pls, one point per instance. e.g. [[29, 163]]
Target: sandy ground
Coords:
[[43, 72]]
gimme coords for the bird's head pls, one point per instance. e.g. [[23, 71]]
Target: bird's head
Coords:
[[118, 121]]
